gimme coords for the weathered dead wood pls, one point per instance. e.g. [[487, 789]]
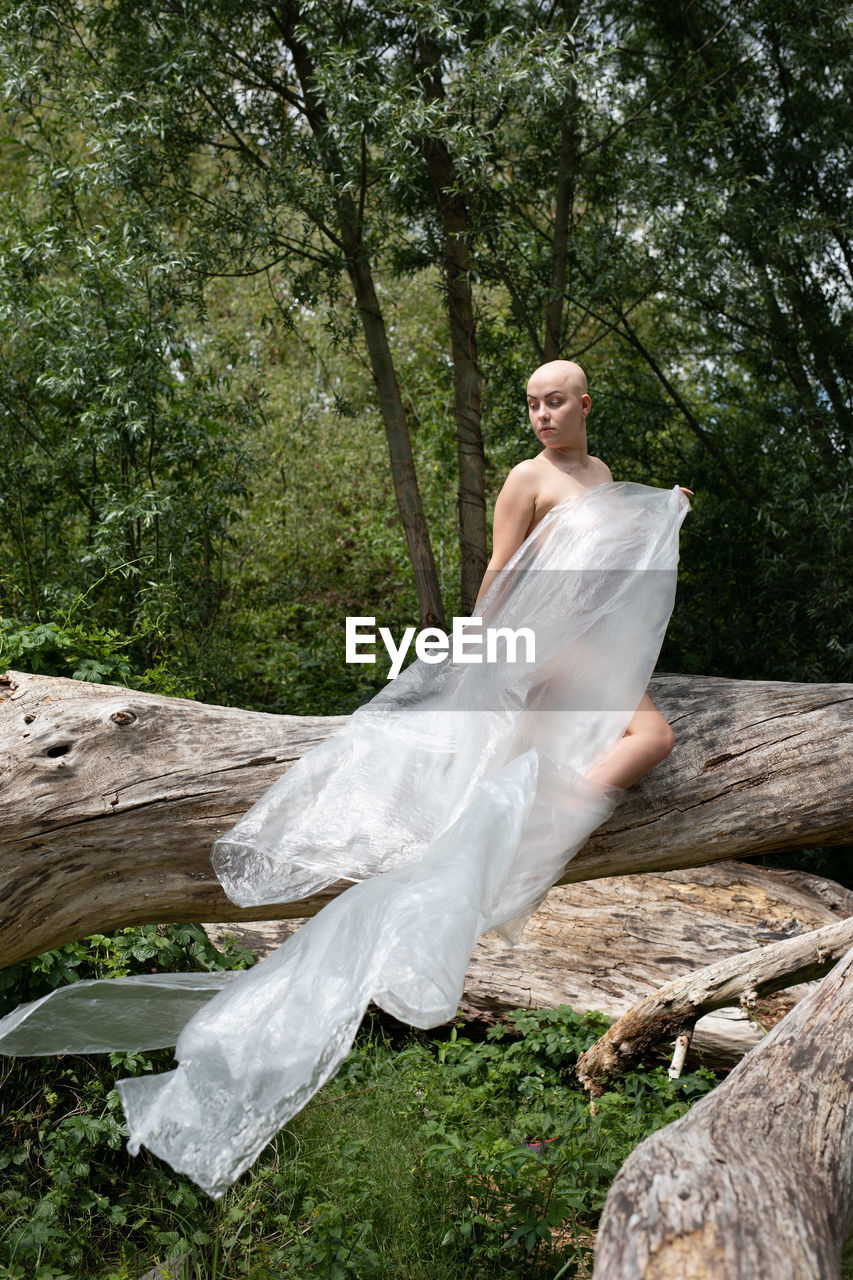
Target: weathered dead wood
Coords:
[[604, 944], [756, 1181], [673, 1010], [112, 798]]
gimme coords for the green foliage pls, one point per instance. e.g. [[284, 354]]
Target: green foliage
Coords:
[[450, 1158], [85, 651], [516, 1134], [124, 439], [147, 948], [114, 429], [185, 416], [743, 253], [67, 1191], [48, 649]]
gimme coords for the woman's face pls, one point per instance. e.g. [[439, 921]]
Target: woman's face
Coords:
[[557, 411]]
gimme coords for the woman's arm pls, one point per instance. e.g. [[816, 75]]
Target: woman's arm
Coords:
[[514, 512]]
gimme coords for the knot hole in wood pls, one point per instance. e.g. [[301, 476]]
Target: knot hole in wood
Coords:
[[123, 717]]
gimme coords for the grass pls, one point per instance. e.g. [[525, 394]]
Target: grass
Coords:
[[425, 1158], [420, 1161]]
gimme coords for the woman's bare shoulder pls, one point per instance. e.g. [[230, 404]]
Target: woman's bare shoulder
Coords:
[[602, 468], [522, 479], [524, 470]]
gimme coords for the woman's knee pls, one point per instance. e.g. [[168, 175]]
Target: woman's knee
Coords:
[[652, 733], [657, 740], [663, 740]]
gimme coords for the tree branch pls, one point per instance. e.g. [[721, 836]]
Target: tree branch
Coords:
[[674, 1009], [112, 797]]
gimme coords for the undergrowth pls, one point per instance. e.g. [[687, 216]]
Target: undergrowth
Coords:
[[443, 1157]]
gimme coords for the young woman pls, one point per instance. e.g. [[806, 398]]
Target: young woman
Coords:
[[453, 800], [558, 402]]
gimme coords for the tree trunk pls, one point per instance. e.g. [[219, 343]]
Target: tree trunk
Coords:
[[756, 1181], [350, 230], [456, 270], [673, 1010], [567, 159], [605, 944], [112, 798], [393, 412]]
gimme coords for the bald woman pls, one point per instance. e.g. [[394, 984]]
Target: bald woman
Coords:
[[558, 402]]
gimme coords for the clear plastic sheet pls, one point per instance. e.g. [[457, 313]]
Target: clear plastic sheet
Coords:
[[454, 799]]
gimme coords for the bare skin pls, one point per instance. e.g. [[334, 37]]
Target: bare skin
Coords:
[[558, 403]]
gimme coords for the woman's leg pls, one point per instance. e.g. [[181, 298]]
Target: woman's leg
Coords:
[[647, 740]]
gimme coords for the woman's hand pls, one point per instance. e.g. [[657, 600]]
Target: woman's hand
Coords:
[[689, 492]]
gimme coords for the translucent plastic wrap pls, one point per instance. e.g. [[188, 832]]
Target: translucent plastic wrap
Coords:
[[454, 799]]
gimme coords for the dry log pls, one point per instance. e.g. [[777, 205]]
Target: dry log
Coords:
[[605, 943], [672, 1011], [756, 1181], [112, 798]]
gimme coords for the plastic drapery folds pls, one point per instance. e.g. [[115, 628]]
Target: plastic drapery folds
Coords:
[[454, 798], [115, 1016], [595, 583]]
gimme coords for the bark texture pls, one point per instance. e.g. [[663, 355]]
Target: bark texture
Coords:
[[457, 273], [674, 1009], [756, 1181], [112, 798], [356, 256], [563, 204]]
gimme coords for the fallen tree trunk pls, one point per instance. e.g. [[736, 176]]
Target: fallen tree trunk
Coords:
[[604, 944], [674, 1009], [757, 1179], [112, 798]]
